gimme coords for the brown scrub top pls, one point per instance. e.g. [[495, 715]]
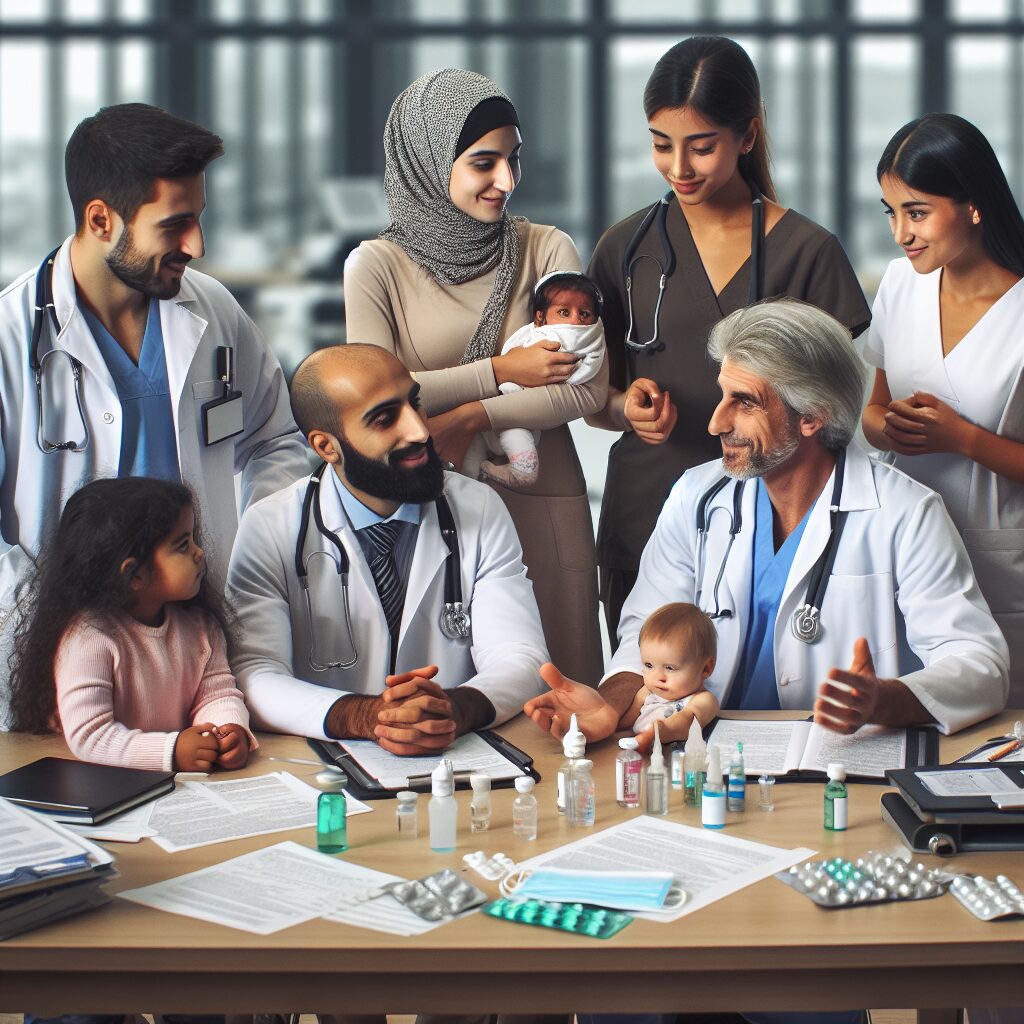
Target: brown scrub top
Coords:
[[801, 259]]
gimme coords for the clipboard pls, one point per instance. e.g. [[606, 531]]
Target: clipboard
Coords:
[[364, 786]]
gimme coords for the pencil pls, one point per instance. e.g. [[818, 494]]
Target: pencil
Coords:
[[1006, 748]]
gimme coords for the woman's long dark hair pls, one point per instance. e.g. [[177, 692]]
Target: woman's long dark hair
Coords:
[[944, 155], [714, 76], [104, 523]]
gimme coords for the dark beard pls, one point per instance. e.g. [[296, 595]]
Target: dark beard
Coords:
[[389, 481], [140, 272]]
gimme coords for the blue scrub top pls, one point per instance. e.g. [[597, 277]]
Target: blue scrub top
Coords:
[[755, 687], [148, 445]]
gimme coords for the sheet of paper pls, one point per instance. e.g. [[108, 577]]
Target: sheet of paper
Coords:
[[468, 753], [280, 886], [130, 827], [772, 747], [200, 813], [30, 839], [708, 865], [983, 782], [870, 751]]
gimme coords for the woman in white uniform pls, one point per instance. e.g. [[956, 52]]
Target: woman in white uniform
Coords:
[[947, 340]]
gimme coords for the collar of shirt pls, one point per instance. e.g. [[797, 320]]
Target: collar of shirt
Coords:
[[359, 516]]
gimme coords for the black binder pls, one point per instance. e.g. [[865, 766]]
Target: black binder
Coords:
[[963, 834], [364, 786]]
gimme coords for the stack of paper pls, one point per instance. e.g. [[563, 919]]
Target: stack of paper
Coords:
[[46, 871]]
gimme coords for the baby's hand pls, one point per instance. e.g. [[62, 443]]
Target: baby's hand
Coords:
[[233, 746], [673, 729], [195, 749]]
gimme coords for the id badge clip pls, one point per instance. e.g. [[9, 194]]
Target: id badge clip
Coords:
[[222, 417]]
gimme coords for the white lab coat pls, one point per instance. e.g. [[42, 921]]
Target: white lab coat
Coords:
[[981, 379], [269, 453], [272, 664], [901, 578]]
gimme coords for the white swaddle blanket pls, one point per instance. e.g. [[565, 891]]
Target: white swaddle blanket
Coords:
[[519, 445]]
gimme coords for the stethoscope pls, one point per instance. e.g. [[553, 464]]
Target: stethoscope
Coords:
[[455, 622], [806, 622], [44, 307], [667, 265]]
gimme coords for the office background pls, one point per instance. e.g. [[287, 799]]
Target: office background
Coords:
[[300, 89]]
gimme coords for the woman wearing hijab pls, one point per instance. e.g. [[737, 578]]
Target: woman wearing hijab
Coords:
[[443, 287]]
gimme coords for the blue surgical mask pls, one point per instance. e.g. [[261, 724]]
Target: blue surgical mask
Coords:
[[620, 890]]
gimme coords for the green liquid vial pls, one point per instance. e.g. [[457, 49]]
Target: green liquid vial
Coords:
[[331, 830], [836, 799]]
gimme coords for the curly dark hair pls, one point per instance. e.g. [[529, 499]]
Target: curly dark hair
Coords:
[[103, 523]]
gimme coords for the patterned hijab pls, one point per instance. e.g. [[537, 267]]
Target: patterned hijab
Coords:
[[420, 137]]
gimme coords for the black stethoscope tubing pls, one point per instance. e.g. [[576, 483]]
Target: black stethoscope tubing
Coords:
[[44, 307], [806, 622], [667, 265]]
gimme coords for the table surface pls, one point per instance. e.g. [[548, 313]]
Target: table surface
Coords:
[[765, 946]]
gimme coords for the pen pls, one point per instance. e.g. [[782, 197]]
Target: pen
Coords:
[[1006, 748]]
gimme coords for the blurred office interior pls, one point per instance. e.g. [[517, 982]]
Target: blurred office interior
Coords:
[[300, 90]]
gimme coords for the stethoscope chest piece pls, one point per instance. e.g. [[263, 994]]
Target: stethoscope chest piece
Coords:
[[455, 621], [806, 624]]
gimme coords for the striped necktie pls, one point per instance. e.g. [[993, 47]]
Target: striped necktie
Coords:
[[390, 586]]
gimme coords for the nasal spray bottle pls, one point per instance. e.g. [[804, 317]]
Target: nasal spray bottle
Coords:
[[712, 808], [694, 758], [574, 745], [657, 779], [442, 807]]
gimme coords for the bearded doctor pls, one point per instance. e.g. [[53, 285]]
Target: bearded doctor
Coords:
[[835, 582]]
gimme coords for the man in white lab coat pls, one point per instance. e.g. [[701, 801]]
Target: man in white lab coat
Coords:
[[898, 635], [410, 687], [142, 359]]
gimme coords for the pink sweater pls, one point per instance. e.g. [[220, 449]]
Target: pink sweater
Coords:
[[124, 691]]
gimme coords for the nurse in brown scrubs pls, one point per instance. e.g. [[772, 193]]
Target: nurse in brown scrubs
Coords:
[[708, 140]]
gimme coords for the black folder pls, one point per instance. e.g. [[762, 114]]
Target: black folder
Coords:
[[80, 792], [364, 786]]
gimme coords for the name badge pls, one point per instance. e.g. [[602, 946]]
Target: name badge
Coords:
[[222, 418]]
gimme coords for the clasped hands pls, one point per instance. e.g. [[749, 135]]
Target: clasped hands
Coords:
[[923, 424], [202, 746], [415, 715], [849, 699]]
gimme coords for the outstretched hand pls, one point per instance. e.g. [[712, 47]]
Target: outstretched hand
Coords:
[[552, 711], [850, 699]]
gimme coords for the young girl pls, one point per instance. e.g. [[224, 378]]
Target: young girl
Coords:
[[122, 644]]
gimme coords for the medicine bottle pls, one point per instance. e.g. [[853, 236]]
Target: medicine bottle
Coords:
[[836, 806], [581, 799], [442, 809], [628, 766], [524, 810], [677, 762], [694, 759], [406, 814], [574, 746], [480, 806], [331, 808], [712, 804], [737, 792], [657, 778]]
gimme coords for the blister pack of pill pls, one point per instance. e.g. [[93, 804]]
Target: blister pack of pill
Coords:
[[491, 868], [443, 894], [874, 878], [578, 918], [987, 899]]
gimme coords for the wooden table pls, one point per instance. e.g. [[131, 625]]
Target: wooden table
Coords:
[[764, 947]]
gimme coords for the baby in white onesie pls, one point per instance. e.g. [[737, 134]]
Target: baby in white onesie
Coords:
[[566, 309], [678, 646]]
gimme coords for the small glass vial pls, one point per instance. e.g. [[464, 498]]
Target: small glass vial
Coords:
[[628, 765], [581, 803], [442, 809], [737, 791], [836, 803], [766, 792], [678, 761], [480, 807], [331, 808], [524, 810], [405, 813]]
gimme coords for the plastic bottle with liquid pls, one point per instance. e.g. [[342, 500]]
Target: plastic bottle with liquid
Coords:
[[480, 806], [712, 807], [524, 810], [657, 779], [574, 745], [836, 798], [628, 766], [737, 793], [442, 808], [695, 758], [581, 799], [331, 809]]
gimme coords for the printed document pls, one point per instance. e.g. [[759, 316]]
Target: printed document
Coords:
[[788, 747], [280, 886], [30, 840], [707, 865], [469, 753], [983, 782], [200, 813]]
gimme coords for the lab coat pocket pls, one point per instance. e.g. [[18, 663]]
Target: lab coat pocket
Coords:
[[861, 606], [997, 557]]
